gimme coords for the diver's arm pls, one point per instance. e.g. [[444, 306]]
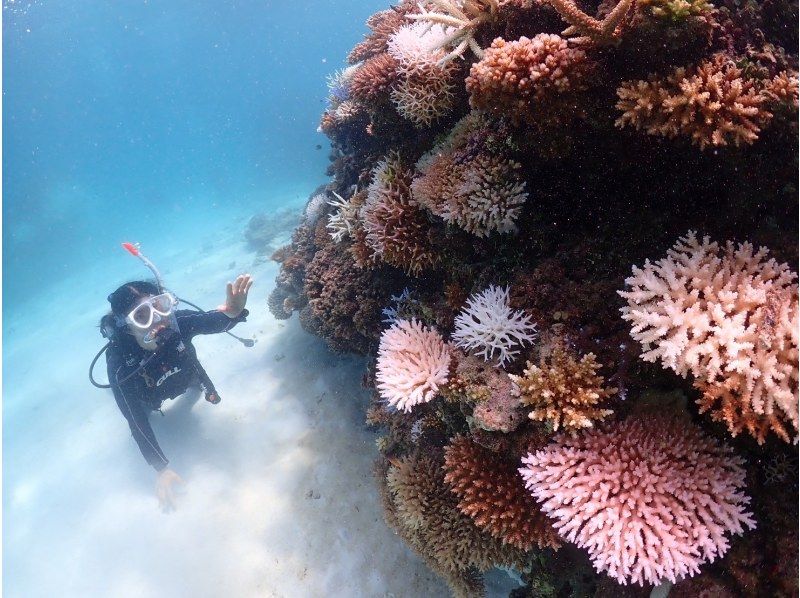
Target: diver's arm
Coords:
[[127, 397], [192, 323]]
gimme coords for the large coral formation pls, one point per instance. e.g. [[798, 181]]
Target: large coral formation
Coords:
[[649, 499], [413, 363], [729, 317], [712, 104], [563, 391], [493, 494], [481, 154]]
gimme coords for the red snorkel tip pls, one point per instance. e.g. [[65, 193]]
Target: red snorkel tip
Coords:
[[131, 248]]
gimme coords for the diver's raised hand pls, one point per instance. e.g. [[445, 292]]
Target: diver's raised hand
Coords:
[[165, 488], [236, 295]]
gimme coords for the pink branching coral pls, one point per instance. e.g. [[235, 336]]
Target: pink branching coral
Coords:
[[395, 228], [713, 104], [729, 317], [413, 363], [373, 79], [520, 76], [467, 184], [382, 25], [490, 327], [650, 498], [424, 91]]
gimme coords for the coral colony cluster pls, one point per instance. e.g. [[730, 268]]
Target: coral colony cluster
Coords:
[[564, 234]]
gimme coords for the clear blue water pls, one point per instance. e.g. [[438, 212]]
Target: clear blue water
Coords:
[[135, 119]]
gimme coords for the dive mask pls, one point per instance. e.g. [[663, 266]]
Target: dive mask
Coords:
[[152, 310]]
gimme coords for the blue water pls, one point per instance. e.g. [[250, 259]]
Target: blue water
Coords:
[[134, 119]]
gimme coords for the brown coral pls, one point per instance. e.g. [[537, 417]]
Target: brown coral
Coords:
[[382, 25], [396, 229], [563, 391], [713, 104], [592, 30], [492, 493], [373, 79], [419, 505], [527, 77]]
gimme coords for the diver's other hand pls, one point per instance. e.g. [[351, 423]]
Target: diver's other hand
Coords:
[[236, 295], [165, 488]]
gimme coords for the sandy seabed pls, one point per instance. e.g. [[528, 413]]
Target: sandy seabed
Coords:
[[279, 497]]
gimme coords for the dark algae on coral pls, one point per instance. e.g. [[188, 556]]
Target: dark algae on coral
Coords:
[[590, 212]]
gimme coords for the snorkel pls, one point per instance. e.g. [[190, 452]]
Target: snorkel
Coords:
[[133, 249]]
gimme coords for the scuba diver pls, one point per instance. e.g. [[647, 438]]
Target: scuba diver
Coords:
[[150, 357]]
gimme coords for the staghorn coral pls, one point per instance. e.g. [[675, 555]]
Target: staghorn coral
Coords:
[[422, 509], [467, 180], [592, 31], [521, 76], [729, 317], [461, 18], [489, 326], [341, 223], [712, 104], [492, 493], [650, 498], [563, 391], [394, 226], [413, 363]]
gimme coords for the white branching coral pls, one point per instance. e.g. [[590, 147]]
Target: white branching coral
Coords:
[[729, 317], [488, 326], [413, 363], [340, 223]]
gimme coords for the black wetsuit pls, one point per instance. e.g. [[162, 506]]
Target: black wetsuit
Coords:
[[167, 375]]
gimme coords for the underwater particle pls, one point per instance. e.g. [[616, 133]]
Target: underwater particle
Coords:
[[729, 317], [413, 363], [492, 493], [488, 326], [650, 498], [563, 391], [713, 104], [527, 75], [395, 228]]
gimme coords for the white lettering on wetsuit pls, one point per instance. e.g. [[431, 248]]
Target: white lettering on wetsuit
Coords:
[[167, 374]]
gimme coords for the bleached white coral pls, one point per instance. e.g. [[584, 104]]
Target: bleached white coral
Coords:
[[416, 45], [413, 363], [729, 317], [340, 223], [489, 326], [315, 208]]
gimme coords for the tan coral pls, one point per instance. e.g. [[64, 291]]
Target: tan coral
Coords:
[[584, 29], [713, 104], [492, 493], [564, 391]]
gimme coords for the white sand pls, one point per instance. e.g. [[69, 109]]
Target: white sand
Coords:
[[280, 498]]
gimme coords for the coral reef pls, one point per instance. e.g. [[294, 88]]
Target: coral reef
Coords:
[[500, 164], [488, 326], [413, 362], [563, 391], [651, 498], [729, 317]]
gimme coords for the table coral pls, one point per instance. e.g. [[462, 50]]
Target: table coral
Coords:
[[729, 317], [563, 391], [650, 498], [492, 493]]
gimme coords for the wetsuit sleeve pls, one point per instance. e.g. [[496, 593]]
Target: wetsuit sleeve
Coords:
[[193, 323], [128, 400]]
